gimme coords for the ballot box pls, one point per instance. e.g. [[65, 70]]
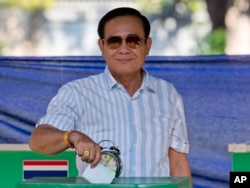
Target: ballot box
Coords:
[[122, 182], [240, 171], [240, 156], [18, 163]]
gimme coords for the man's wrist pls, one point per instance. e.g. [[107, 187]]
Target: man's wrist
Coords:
[[66, 139]]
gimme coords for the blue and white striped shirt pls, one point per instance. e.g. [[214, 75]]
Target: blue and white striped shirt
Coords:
[[143, 126]]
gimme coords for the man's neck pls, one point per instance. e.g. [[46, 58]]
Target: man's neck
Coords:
[[131, 82]]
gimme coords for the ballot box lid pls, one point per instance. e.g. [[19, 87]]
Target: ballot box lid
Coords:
[[123, 182]]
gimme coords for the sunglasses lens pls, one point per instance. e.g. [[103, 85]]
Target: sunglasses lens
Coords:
[[114, 42], [133, 41]]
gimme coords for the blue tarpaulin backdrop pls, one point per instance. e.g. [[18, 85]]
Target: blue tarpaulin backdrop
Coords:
[[215, 90]]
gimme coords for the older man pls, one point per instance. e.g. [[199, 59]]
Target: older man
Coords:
[[142, 114]]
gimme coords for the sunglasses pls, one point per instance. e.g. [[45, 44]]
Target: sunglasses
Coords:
[[132, 41]]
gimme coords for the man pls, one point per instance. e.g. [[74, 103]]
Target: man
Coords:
[[141, 114]]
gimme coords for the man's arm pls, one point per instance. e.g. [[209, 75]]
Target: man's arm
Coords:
[[50, 140], [179, 164], [47, 139]]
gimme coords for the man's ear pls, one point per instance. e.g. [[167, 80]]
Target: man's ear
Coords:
[[101, 45], [148, 45]]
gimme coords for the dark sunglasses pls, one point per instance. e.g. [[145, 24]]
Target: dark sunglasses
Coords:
[[132, 41]]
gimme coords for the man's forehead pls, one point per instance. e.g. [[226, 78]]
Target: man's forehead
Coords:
[[121, 23]]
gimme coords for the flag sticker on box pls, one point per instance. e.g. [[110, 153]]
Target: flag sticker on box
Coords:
[[45, 168]]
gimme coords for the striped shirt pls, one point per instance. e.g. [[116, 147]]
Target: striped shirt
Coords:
[[143, 126]]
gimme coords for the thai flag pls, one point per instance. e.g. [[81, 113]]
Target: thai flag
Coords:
[[45, 168]]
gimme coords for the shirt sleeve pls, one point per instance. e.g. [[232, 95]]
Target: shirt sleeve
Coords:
[[179, 137], [61, 111]]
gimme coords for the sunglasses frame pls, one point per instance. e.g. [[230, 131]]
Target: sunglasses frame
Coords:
[[119, 40]]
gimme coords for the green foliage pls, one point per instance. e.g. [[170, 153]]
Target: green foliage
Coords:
[[193, 5], [214, 42], [156, 6], [28, 4]]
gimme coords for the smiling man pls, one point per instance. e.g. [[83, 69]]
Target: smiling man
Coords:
[[125, 45], [141, 114]]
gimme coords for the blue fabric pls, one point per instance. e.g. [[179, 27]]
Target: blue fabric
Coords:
[[215, 91]]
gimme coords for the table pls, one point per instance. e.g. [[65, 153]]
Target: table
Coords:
[[123, 182]]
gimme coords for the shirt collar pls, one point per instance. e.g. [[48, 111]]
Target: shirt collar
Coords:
[[146, 83], [111, 82]]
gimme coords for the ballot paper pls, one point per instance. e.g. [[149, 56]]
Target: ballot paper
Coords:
[[99, 174]]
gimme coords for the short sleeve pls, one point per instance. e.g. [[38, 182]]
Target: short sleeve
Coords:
[[62, 110]]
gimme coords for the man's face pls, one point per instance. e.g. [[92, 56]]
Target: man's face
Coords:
[[124, 59]]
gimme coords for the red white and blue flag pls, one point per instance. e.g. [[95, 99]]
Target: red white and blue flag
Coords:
[[45, 168]]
